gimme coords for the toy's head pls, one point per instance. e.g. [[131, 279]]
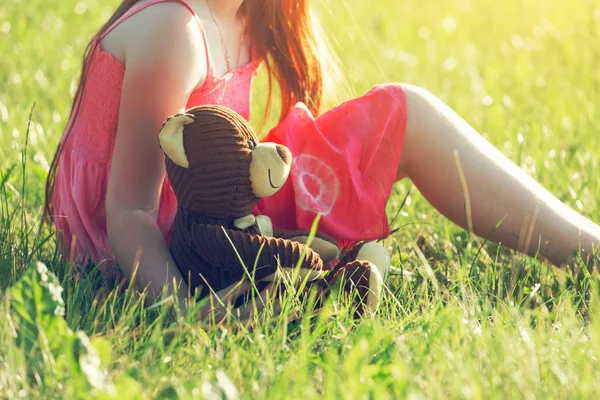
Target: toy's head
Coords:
[[215, 164]]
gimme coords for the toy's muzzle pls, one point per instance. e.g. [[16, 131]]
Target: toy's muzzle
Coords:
[[269, 168]]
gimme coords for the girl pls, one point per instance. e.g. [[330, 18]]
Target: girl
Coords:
[[108, 196]]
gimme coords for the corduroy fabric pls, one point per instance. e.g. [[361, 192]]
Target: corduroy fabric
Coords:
[[210, 252], [355, 278], [206, 257], [217, 182], [208, 249], [84, 165], [350, 253]]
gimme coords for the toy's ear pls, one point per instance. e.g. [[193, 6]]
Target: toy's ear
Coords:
[[171, 138]]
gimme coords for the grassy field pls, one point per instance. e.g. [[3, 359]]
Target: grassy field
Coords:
[[461, 318]]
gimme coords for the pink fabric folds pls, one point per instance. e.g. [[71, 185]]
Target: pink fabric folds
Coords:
[[345, 163]]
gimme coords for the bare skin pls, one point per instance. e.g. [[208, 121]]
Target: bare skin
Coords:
[[150, 47], [533, 220]]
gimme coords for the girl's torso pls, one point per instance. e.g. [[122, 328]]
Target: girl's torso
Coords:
[[84, 165], [224, 36], [97, 117]]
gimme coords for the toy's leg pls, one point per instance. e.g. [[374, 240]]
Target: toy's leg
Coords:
[[534, 221], [373, 252], [361, 271], [360, 281], [326, 247]]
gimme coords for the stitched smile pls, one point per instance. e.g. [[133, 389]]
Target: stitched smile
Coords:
[[271, 182]]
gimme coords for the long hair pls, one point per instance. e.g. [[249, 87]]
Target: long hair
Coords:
[[285, 37]]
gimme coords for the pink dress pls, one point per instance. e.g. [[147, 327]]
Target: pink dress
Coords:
[[345, 161]]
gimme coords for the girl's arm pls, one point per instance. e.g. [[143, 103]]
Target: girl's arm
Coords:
[[165, 59], [164, 55]]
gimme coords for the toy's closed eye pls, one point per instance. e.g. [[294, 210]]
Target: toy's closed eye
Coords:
[[251, 144]]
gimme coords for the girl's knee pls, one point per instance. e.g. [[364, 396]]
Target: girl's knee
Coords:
[[413, 97], [388, 98], [416, 95], [420, 104]]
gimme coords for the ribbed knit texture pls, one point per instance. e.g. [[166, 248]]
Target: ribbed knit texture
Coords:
[[84, 165], [217, 182], [204, 254], [355, 280], [352, 151], [350, 253], [352, 276], [211, 193]]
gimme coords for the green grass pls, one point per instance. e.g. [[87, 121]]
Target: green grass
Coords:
[[461, 319]]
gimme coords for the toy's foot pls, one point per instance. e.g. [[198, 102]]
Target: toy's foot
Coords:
[[373, 252], [377, 255], [362, 282]]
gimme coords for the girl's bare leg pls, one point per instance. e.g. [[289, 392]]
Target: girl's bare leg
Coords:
[[439, 145]]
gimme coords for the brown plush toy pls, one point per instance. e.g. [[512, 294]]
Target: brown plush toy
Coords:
[[218, 171]]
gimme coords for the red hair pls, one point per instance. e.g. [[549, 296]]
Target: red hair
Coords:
[[285, 37]]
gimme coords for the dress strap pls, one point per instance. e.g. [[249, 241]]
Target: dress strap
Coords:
[[140, 6]]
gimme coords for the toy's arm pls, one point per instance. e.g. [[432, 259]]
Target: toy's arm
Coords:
[[225, 247], [326, 246]]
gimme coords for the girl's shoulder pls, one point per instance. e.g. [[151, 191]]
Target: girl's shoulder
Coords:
[[152, 25], [163, 36]]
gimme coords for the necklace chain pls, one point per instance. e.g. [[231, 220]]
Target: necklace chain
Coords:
[[221, 34]]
